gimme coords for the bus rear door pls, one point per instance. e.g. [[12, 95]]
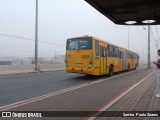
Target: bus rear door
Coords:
[[103, 60]]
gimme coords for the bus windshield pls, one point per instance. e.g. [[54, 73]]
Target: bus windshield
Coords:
[[79, 44]]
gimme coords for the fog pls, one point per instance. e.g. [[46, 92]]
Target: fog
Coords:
[[62, 19]]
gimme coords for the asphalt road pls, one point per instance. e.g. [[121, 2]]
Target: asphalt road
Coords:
[[15, 88]]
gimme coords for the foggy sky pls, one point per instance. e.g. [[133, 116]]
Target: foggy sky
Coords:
[[62, 19]]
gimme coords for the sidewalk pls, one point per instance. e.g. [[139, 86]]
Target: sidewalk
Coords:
[[141, 98]]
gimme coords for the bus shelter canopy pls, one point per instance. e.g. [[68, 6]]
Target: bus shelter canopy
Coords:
[[129, 12]]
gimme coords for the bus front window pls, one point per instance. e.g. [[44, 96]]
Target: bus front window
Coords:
[[79, 44], [72, 44]]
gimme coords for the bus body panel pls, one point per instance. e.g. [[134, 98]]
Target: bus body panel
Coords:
[[96, 59]]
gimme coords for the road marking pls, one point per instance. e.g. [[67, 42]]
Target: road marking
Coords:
[[31, 100], [114, 99]]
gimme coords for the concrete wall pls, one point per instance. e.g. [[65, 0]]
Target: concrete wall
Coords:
[[11, 69]]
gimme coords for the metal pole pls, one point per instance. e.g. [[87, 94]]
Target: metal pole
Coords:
[[157, 49], [36, 37], [128, 37], [149, 59]]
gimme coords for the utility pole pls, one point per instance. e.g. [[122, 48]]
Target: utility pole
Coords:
[[157, 49], [128, 37], [149, 59], [36, 37]]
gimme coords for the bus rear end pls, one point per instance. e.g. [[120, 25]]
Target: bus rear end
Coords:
[[79, 55]]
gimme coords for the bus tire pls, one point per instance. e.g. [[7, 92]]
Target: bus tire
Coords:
[[111, 70]]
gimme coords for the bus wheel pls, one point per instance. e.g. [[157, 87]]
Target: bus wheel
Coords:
[[111, 68], [128, 69]]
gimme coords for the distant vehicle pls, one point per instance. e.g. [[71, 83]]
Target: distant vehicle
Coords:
[[90, 55]]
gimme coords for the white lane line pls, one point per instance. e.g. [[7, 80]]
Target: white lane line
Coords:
[[31, 100], [119, 96]]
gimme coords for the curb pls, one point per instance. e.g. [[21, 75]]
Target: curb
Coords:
[[30, 72]]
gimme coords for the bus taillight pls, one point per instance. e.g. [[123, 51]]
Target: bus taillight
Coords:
[[90, 65], [66, 63], [91, 62]]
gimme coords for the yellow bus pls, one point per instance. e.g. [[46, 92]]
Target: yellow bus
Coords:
[[93, 56]]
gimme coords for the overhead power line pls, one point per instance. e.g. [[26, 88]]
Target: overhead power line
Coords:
[[13, 36], [29, 39]]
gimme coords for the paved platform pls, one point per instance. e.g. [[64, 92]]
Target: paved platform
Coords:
[[141, 98]]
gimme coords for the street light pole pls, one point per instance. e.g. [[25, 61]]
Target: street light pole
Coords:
[[157, 49], [128, 37], [149, 59], [36, 37]]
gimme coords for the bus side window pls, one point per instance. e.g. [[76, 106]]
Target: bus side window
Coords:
[[120, 54], [97, 48], [116, 53], [128, 56], [105, 52], [135, 56], [101, 52], [132, 55], [110, 51]]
